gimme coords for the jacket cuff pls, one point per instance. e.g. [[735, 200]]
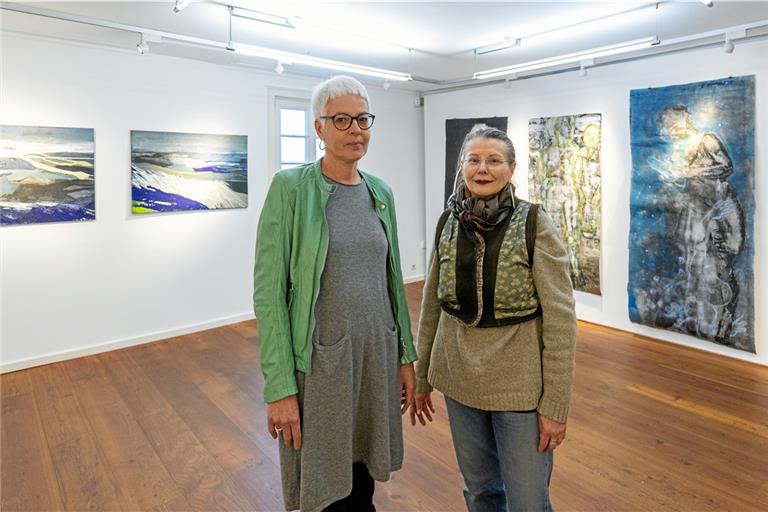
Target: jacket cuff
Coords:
[[553, 410], [408, 352], [273, 395]]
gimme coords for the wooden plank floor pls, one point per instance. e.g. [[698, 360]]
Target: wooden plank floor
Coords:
[[179, 425]]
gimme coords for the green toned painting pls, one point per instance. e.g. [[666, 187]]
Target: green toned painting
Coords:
[[564, 176]]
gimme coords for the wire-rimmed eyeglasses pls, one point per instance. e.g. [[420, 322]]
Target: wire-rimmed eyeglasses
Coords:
[[344, 121], [491, 163]]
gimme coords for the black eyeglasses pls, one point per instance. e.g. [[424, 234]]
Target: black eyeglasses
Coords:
[[344, 121]]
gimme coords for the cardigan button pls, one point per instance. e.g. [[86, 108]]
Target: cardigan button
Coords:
[[382, 206]]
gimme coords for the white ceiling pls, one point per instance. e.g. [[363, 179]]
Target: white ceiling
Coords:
[[432, 40]]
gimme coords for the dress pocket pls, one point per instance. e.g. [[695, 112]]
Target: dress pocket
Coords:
[[336, 345]]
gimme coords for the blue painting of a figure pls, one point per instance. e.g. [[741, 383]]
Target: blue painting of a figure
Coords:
[[691, 243]]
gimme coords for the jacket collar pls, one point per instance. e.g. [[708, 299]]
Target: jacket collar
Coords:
[[317, 172]]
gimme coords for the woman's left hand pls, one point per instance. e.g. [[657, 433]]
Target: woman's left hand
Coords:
[[551, 434], [407, 385]]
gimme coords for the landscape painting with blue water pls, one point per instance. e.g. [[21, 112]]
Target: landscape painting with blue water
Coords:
[[46, 175], [173, 172], [691, 243]]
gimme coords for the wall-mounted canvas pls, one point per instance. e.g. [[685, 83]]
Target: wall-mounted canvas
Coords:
[[173, 172], [46, 175], [564, 176], [691, 244], [455, 131]]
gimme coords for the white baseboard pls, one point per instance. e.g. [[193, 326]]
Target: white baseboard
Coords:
[[54, 357]]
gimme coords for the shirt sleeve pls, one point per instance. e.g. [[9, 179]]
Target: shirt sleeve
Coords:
[[553, 285]]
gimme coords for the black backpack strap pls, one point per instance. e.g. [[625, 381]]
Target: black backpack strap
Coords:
[[530, 230], [440, 224]]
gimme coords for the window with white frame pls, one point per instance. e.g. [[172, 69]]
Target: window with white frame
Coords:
[[297, 142]]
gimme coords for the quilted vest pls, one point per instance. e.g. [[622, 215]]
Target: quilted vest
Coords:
[[486, 279]]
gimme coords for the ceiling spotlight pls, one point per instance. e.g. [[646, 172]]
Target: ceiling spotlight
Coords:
[[181, 5], [728, 47], [279, 68], [708, 3], [142, 47]]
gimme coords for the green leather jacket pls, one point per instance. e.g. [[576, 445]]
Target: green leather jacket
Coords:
[[291, 246]]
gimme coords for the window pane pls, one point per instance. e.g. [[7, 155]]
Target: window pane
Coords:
[[286, 166], [293, 149], [318, 152], [292, 122]]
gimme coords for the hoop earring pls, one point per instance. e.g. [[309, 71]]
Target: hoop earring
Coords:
[[322, 145]]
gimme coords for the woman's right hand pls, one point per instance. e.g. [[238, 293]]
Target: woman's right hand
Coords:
[[422, 407], [283, 416]]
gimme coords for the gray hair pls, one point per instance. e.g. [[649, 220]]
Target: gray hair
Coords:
[[333, 88], [483, 131]]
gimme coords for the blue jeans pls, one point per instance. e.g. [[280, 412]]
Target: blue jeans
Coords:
[[498, 457]]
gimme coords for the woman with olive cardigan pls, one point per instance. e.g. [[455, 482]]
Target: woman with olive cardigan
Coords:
[[497, 332]]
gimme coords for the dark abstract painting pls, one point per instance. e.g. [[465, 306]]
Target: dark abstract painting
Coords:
[[46, 175], [455, 131], [691, 241], [188, 171], [564, 176]]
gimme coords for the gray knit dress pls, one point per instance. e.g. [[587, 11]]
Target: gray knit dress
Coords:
[[350, 400]]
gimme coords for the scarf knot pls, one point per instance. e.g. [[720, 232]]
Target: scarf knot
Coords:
[[479, 214]]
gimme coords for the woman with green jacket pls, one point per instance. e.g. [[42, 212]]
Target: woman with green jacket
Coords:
[[335, 337]]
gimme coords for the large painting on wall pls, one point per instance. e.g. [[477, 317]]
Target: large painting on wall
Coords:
[[188, 171], [455, 131], [564, 176], [691, 242], [46, 174]]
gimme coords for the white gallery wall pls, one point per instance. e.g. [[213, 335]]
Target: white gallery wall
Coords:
[[605, 90], [70, 289]]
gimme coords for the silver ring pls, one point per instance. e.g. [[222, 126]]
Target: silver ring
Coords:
[[278, 429]]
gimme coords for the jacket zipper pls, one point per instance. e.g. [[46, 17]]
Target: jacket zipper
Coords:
[[324, 256]]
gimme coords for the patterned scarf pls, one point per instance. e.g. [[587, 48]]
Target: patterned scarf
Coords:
[[479, 214]]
